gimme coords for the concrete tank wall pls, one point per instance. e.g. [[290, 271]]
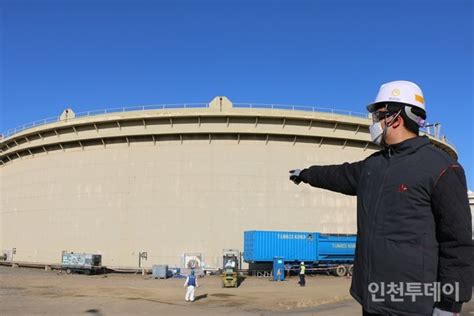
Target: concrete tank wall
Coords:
[[168, 199]]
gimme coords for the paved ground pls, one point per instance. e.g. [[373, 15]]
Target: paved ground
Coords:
[[36, 292]]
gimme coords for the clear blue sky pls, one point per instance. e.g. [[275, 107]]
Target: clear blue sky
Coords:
[[99, 54]]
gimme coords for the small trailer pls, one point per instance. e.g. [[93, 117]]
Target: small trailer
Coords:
[[320, 252], [84, 263]]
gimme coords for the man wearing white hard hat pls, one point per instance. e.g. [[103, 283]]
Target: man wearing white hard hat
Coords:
[[414, 252]]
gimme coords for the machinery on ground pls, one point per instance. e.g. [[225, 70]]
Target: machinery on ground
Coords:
[[230, 274], [82, 263]]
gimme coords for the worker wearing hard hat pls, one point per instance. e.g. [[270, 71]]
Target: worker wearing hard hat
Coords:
[[414, 250], [302, 274]]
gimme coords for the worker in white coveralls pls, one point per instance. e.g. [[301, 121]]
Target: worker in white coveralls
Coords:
[[191, 283]]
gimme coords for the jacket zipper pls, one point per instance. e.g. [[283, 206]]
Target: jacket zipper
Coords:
[[373, 220]]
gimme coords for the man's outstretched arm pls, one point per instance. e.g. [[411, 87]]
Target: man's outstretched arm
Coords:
[[339, 178]]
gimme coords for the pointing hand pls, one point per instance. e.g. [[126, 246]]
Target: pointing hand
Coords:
[[295, 176]]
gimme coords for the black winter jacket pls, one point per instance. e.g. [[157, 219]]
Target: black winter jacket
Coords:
[[413, 225]]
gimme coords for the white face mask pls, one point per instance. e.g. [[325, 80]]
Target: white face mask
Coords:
[[376, 133]]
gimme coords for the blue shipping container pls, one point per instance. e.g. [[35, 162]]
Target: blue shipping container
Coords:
[[264, 246]]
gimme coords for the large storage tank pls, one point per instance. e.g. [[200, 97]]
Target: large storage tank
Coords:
[[179, 183]]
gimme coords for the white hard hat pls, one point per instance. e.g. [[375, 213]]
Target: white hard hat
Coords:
[[400, 91], [302, 262]]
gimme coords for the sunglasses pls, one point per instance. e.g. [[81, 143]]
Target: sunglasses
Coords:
[[378, 116]]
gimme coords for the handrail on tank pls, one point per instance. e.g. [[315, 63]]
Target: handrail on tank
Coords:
[[298, 108], [273, 106], [55, 119]]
